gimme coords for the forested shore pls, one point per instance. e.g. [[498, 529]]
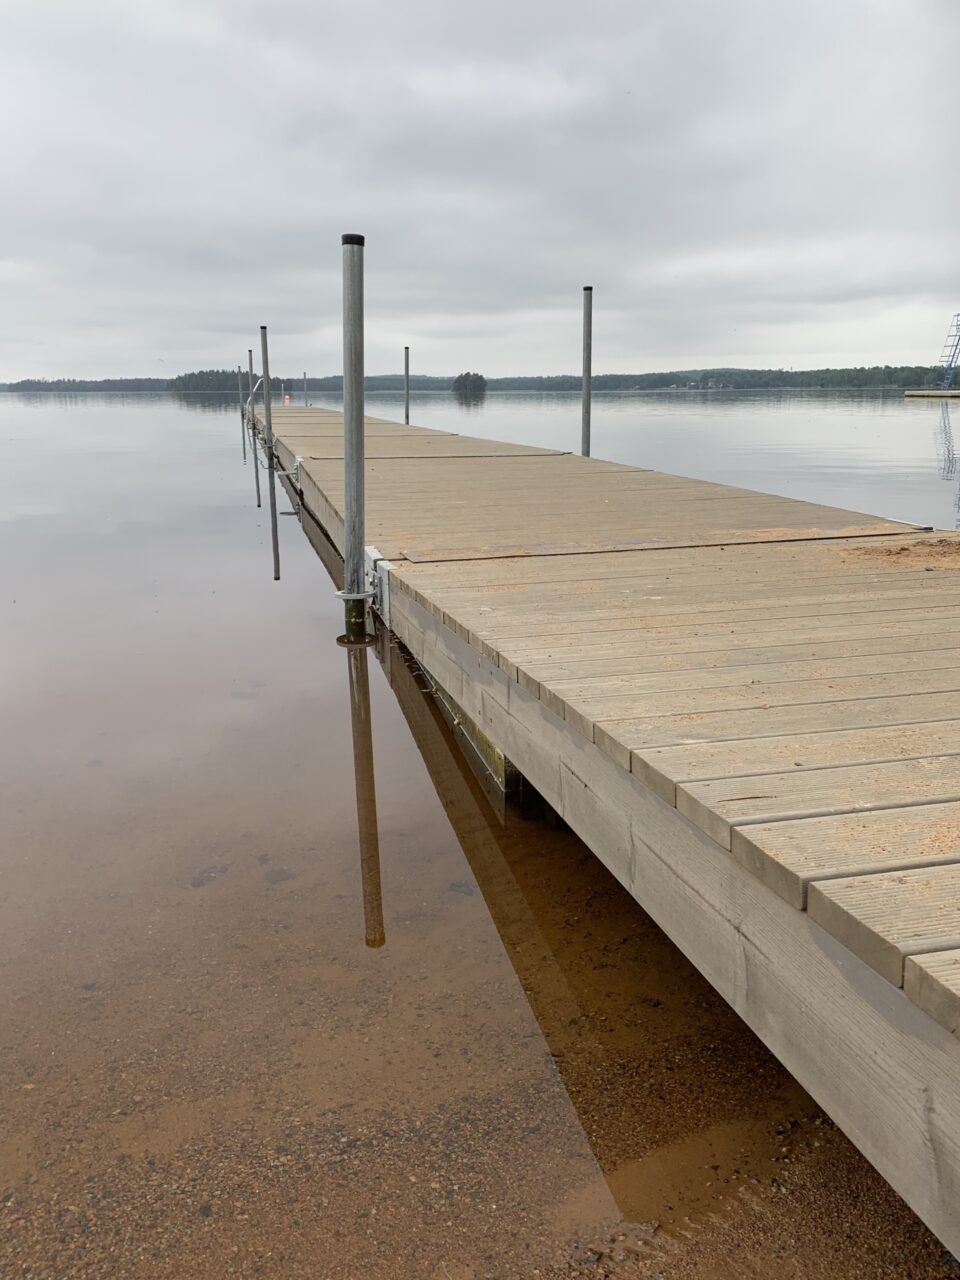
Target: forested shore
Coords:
[[224, 381]]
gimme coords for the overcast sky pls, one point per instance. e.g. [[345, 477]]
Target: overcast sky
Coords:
[[744, 182]]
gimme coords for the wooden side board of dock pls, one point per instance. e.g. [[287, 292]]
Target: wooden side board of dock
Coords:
[[747, 706]]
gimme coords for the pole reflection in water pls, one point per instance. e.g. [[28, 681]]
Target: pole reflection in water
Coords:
[[274, 531], [243, 414], [268, 449], [253, 425], [366, 794]]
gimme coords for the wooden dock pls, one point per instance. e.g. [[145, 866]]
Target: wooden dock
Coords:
[[747, 706]]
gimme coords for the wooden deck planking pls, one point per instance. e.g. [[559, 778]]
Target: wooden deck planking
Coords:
[[749, 707], [586, 712], [666, 768], [467, 513], [885, 918], [580, 667], [662, 617], [621, 739], [790, 856], [932, 982], [720, 806]]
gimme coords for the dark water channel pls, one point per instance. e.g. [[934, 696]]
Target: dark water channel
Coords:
[[241, 1035]]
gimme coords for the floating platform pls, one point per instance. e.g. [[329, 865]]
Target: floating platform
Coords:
[[952, 394], [747, 706]]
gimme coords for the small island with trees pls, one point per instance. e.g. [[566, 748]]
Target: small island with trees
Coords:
[[469, 388]]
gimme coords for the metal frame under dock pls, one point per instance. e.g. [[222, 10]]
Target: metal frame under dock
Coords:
[[747, 706]]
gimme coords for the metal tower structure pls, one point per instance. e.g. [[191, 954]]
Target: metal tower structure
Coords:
[[950, 353]]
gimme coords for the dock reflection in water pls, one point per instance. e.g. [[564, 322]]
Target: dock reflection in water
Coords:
[[645, 1050]]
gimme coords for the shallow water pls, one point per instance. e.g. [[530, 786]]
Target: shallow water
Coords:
[[207, 1069]]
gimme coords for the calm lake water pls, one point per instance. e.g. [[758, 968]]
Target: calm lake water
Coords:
[[206, 1069]]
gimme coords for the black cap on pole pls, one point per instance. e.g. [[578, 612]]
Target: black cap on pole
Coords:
[[351, 239], [588, 288]]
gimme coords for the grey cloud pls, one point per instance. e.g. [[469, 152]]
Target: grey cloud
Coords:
[[747, 183]]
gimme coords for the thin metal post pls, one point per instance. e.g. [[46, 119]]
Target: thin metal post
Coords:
[[362, 727], [243, 415], [267, 404], [406, 384], [268, 432], [354, 588], [587, 370], [253, 426], [304, 388]]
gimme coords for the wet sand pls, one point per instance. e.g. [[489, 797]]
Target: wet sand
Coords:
[[208, 1072]]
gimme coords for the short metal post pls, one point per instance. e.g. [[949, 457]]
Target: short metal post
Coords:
[[362, 727], [268, 432], [243, 415], [587, 370], [304, 388], [406, 384], [354, 587], [253, 426]]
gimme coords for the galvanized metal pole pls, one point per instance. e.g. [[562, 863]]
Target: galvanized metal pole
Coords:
[[354, 587], [253, 426], [586, 386], [267, 405], [243, 415], [362, 727], [406, 384], [304, 388], [268, 432]]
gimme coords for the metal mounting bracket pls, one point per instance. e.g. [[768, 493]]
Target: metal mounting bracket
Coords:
[[378, 575]]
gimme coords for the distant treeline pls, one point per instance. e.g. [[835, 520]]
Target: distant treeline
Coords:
[[224, 381], [873, 376], [91, 384]]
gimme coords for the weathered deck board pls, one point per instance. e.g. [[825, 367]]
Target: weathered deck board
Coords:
[[788, 856], [585, 712], [884, 918], [720, 806], [665, 768], [621, 739], [428, 509], [933, 983], [781, 678]]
